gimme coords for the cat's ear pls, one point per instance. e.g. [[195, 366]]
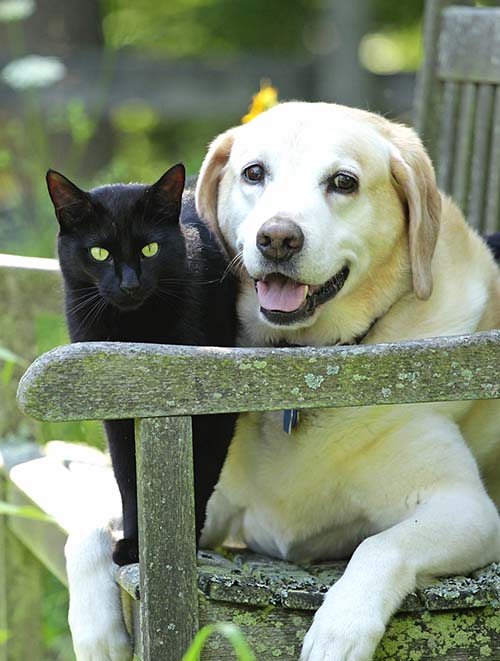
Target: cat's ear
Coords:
[[70, 202], [167, 191]]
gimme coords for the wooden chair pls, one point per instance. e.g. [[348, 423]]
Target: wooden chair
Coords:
[[274, 601]]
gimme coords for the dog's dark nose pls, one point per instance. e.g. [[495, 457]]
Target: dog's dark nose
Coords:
[[279, 239]]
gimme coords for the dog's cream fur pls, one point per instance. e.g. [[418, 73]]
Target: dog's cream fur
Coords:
[[398, 487]]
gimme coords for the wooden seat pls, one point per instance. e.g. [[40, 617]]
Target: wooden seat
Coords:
[[273, 602]]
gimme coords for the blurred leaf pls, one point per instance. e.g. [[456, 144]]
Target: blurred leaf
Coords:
[[56, 635], [392, 51], [5, 158], [134, 117], [10, 360], [33, 71], [16, 10], [229, 631], [80, 123], [10, 357], [50, 332], [7, 373], [25, 512]]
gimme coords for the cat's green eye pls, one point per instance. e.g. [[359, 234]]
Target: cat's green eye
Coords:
[[150, 250], [99, 254]]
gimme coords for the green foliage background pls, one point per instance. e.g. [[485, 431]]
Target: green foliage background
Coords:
[[139, 143]]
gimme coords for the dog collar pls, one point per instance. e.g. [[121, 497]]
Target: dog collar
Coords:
[[291, 416]]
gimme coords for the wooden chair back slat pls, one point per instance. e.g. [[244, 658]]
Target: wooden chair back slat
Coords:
[[457, 113], [469, 45], [480, 161], [426, 92], [492, 213], [451, 96], [464, 139]]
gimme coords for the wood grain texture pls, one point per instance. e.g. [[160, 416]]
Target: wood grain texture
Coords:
[[480, 161], [463, 149], [469, 45], [492, 219], [121, 380], [169, 608], [447, 138], [427, 91]]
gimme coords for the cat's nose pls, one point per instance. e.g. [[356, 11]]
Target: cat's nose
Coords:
[[130, 282], [129, 290]]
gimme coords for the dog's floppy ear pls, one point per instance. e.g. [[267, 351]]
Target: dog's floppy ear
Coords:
[[413, 172], [207, 186]]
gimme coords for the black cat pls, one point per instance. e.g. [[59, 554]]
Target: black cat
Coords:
[[494, 243], [133, 273]]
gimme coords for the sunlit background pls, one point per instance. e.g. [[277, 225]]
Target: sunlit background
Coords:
[[112, 90]]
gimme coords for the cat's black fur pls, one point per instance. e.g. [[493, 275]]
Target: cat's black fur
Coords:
[[178, 296], [494, 243]]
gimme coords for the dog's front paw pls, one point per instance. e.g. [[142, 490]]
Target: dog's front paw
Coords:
[[339, 633], [126, 551]]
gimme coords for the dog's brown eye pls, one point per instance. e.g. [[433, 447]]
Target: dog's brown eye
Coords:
[[254, 173], [343, 183]]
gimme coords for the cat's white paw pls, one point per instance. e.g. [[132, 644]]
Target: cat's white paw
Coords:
[[342, 633], [95, 614]]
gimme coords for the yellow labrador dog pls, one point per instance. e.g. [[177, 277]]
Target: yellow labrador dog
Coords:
[[343, 237]]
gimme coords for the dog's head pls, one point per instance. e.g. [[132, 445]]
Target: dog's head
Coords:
[[317, 198]]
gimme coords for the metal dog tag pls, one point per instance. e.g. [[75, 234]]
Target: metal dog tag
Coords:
[[290, 420]]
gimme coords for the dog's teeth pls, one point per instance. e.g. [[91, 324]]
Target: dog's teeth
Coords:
[[306, 292]]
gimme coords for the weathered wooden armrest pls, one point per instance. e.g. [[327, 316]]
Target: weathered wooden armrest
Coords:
[[94, 381]]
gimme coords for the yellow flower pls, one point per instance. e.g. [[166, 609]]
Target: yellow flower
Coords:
[[266, 98]]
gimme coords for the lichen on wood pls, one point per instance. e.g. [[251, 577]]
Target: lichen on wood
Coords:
[[86, 381], [273, 601]]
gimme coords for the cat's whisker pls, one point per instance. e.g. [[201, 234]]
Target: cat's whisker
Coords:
[[73, 289], [87, 319], [169, 294], [87, 294], [235, 264], [82, 303], [190, 281], [99, 310]]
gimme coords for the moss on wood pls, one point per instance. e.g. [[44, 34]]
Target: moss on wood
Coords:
[[273, 602], [165, 380]]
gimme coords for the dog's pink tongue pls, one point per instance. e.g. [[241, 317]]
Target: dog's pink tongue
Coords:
[[281, 294]]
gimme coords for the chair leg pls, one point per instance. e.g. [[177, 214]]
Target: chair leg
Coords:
[[167, 547]]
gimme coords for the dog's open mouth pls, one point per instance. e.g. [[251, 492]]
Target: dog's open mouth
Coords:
[[285, 301]]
